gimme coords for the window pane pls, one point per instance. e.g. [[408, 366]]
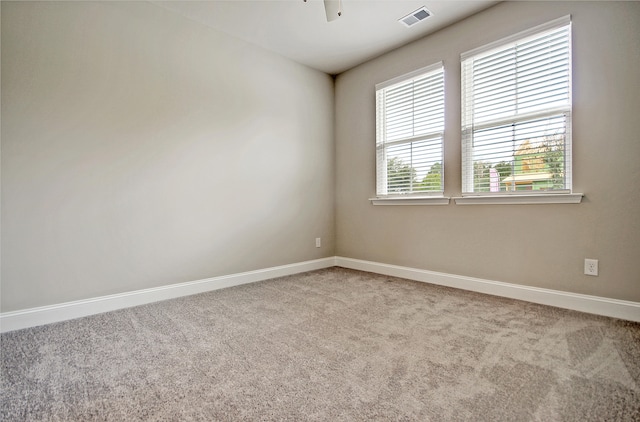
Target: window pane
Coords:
[[527, 155], [415, 167]]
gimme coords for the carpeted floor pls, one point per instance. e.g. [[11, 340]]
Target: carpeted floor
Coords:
[[329, 345]]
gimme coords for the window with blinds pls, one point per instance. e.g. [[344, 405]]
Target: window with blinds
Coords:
[[410, 127], [516, 113]]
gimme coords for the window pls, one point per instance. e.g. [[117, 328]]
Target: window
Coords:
[[516, 114], [410, 127]]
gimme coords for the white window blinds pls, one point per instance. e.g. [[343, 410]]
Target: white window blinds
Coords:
[[516, 113], [410, 126]]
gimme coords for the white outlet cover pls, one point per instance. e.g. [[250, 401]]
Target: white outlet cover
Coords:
[[591, 267]]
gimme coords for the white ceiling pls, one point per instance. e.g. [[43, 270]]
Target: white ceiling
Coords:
[[300, 31]]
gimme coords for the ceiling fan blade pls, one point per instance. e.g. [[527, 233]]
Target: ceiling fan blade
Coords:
[[333, 9]]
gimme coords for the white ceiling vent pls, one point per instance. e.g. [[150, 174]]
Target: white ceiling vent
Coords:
[[415, 17]]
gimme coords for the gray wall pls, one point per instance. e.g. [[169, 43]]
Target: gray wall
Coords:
[[534, 245], [141, 149]]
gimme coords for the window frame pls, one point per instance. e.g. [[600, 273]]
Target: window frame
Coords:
[[469, 196], [414, 197]]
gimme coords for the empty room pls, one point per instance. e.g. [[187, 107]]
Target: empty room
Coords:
[[343, 210]]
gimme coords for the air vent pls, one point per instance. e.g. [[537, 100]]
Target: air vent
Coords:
[[415, 17]]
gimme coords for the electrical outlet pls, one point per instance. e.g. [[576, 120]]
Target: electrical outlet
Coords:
[[591, 266], [318, 242]]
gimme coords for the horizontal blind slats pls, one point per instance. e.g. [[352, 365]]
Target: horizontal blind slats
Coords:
[[410, 119], [507, 84]]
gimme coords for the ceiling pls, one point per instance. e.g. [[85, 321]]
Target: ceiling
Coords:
[[299, 30]]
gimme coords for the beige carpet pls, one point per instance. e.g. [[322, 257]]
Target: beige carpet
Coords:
[[329, 345]]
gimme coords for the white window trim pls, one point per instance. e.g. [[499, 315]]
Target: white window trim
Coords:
[[423, 198], [519, 198], [411, 200]]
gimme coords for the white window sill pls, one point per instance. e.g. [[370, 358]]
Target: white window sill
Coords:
[[548, 198], [411, 200]]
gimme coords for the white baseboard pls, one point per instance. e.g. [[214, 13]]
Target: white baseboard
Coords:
[[10, 321], [591, 304]]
